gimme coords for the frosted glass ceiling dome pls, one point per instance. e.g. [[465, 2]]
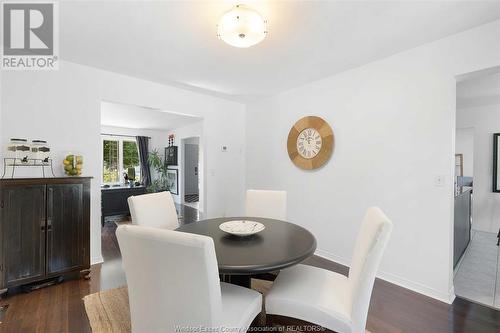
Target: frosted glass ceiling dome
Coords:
[[242, 27]]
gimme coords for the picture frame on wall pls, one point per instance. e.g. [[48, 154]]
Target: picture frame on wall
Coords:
[[173, 180], [171, 156]]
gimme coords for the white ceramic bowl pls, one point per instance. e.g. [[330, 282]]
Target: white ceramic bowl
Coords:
[[241, 227]]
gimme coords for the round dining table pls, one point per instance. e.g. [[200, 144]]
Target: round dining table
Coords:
[[281, 244]]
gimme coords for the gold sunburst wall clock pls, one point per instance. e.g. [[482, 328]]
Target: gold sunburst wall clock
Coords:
[[310, 143]]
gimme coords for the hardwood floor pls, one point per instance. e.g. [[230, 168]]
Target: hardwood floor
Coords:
[[396, 309], [60, 308]]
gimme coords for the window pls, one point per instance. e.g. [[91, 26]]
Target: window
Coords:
[[110, 171], [120, 156]]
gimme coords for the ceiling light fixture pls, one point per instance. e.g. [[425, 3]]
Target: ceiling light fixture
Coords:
[[242, 27]]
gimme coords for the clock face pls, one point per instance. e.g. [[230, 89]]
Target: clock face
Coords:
[[309, 143]]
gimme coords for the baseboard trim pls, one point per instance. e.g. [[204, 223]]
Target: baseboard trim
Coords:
[[452, 295], [96, 260], [397, 280]]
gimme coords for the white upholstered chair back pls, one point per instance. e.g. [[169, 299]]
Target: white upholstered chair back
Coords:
[[172, 279], [269, 204], [154, 210], [369, 248]]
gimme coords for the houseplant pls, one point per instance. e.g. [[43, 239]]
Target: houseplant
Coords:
[[159, 174]]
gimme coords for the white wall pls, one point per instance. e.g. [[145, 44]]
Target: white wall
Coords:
[[394, 125], [63, 107], [486, 204], [464, 144]]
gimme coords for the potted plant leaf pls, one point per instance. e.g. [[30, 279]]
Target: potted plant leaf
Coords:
[[159, 176]]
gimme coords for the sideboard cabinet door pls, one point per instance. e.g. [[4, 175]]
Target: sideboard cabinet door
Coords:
[[23, 231], [65, 228]]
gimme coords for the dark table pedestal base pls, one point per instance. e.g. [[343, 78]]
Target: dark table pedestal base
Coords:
[[239, 280]]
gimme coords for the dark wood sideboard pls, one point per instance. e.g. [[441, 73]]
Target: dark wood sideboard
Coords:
[[44, 229], [114, 200]]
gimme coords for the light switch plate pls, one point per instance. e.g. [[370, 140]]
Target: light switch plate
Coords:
[[439, 181]]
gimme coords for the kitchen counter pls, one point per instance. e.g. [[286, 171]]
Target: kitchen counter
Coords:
[[462, 223]]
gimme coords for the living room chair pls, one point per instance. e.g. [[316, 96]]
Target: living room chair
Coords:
[[173, 283], [154, 210], [329, 299], [269, 204]]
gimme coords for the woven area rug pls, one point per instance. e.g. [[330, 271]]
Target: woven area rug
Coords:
[[108, 311]]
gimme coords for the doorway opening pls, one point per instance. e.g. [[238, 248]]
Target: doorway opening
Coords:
[[477, 205], [191, 168], [125, 129]]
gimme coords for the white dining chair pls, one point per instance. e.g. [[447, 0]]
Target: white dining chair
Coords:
[[329, 299], [269, 204], [154, 210], [173, 283]]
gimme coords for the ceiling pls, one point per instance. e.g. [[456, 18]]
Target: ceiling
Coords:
[[479, 91], [137, 117], [174, 42]]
